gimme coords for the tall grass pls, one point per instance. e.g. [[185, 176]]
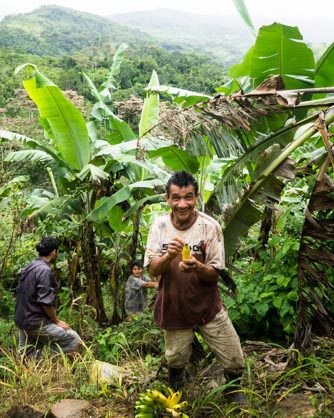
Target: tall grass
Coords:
[[267, 387]]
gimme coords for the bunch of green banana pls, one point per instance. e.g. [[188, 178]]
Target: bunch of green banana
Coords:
[[146, 407], [153, 403]]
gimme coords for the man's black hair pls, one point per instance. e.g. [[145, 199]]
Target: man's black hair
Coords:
[[182, 179], [136, 263], [46, 246]]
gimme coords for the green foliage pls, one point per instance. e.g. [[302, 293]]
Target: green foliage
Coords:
[[8, 330], [324, 73], [150, 112], [278, 50], [266, 299], [137, 335], [54, 30], [267, 292], [60, 119]]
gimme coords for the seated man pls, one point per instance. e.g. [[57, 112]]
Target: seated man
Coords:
[[35, 314]]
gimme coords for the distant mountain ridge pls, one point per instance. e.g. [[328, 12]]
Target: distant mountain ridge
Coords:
[[226, 38], [55, 30]]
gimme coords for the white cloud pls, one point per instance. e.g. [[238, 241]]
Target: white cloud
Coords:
[[273, 8], [314, 19]]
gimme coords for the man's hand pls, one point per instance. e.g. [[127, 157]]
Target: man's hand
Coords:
[[174, 247], [159, 265], [205, 272], [62, 324], [188, 266]]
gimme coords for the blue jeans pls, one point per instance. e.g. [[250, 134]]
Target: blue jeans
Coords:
[[59, 339]]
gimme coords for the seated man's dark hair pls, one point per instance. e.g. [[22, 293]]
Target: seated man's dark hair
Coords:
[[137, 263], [182, 179], [47, 245]]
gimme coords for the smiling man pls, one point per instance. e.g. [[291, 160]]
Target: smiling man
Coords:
[[188, 296]]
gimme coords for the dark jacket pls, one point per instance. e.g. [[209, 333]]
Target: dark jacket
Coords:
[[37, 288]]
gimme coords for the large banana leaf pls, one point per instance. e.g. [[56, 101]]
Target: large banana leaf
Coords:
[[103, 207], [147, 184], [116, 219], [29, 155], [278, 50], [185, 97], [324, 72], [100, 213], [66, 122], [177, 159], [157, 198], [11, 136], [153, 169], [116, 151], [114, 71], [120, 130], [33, 145], [7, 188], [96, 174], [150, 113], [41, 202], [100, 109]]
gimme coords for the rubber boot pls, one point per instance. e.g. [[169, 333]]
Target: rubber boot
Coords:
[[176, 377], [237, 394]]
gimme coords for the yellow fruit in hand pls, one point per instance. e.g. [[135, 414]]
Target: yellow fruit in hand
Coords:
[[186, 252]]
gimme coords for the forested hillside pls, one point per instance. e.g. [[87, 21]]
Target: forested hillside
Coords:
[[55, 30], [67, 42], [226, 38]]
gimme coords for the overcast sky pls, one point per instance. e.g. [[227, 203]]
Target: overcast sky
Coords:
[[293, 12]]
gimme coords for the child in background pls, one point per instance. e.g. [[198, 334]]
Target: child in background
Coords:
[[136, 289]]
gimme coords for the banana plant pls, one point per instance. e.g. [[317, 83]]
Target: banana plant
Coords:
[[141, 178], [255, 175], [68, 155], [79, 171], [242, 136]]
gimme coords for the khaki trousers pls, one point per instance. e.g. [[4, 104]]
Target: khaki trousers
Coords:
[[220, 336]]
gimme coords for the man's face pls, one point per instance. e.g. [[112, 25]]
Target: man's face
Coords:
[[54, 255], [182, 201]]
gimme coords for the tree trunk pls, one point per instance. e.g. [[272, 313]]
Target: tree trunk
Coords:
[[91, 268], [120, 274], [265, 226]]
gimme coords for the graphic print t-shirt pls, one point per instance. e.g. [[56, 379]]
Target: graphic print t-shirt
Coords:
[[185, 300]]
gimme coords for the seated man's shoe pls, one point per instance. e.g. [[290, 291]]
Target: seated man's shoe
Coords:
[[176, 377]]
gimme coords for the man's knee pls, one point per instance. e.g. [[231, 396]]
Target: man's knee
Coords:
[[177, 358], [236, 364], [72, 343], [66, 339], [178, 347]]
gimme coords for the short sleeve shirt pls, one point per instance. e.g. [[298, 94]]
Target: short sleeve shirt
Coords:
[[185, 300]]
